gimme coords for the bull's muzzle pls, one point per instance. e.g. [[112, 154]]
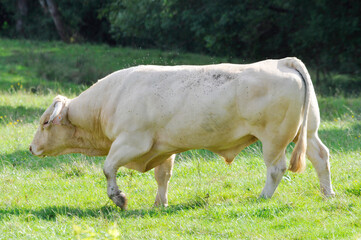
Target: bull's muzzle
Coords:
[[35, 152]]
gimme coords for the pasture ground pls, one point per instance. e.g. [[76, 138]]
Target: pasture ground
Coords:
[[65, 197]]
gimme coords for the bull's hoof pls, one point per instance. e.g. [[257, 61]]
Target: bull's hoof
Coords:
[[120, 200], [327, 192], [329, 195], [160, 205]]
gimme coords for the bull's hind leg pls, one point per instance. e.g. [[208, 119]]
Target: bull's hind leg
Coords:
[[318, 154], [123, 150], [162, 174], [275, 160]]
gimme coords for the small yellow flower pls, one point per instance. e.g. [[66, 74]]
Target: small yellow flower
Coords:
[[76, 229]]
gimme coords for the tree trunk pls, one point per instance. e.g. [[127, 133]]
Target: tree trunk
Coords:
[[43, 6], [22, 11], [60, 26]]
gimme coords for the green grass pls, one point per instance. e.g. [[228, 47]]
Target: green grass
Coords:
[[65, 197], [32, 63]]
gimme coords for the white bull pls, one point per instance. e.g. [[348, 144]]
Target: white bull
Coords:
[[141, 116]]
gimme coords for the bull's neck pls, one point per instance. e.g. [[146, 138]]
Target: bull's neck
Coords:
[[89, 143], [88, 137], [84, 112]]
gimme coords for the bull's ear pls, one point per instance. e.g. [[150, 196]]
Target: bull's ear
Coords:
[[60, 110], [57, 120]]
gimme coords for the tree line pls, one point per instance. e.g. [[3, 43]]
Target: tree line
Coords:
[[324, 34]]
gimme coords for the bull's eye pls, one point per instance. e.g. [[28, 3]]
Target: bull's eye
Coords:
[[45, 124]]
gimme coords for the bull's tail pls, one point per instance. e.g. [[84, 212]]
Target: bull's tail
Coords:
[[298, 157]]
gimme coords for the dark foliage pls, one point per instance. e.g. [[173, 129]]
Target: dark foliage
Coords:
[[82, 18], [324, 34]]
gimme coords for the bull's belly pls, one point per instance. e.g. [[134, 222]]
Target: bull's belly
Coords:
[[162, 150], [207, 136]]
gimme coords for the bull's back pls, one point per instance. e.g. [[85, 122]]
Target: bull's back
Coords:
[[200, 106]]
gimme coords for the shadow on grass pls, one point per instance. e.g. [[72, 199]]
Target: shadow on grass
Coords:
[[24, 114], [40, 71], [346, 139], [331, 108], [23, 159], [108, 212]]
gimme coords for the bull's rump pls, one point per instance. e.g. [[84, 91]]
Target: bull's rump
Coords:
[[212, 106]]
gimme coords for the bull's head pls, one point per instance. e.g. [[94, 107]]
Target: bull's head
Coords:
[[55, 132]]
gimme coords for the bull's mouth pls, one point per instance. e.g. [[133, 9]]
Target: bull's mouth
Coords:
[[37, 153]]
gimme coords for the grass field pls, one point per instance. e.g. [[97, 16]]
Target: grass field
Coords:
[[65, 197]]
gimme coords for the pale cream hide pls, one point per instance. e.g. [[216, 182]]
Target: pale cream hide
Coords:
[[141, 116]]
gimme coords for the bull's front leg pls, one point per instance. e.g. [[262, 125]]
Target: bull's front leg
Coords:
[[117, 196], [162, 175], [124, 149]]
